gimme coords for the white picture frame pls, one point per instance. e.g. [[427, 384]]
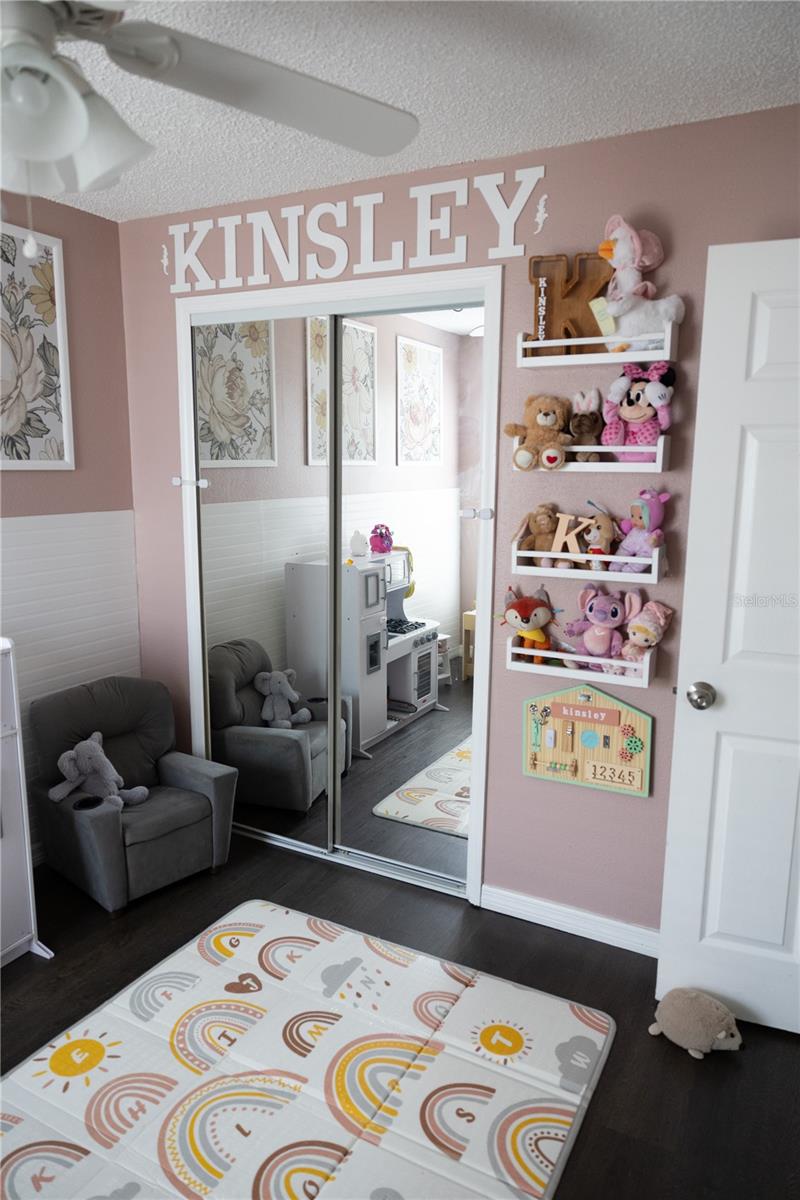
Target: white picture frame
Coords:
[[234, 375], [359, 397], [43, 387]]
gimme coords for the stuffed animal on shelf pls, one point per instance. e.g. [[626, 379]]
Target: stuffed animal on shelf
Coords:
[[86, 767], [381, 539], [529, 617], [278, 689], [696, 1022], [646, 630], [629, 308], [637, 408], [586, 423], [643, 532], [536, 533], [601, 535], [359, 546], [544, 422], [597, 632]]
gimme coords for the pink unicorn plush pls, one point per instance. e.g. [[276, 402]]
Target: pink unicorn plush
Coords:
[[630, 300], [603, 613]]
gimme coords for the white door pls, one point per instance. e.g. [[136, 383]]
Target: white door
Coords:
[[730, 909]]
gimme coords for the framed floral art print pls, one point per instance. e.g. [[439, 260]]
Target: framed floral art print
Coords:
[[35, 412], [359, 392], [234, 379], [419, 402]]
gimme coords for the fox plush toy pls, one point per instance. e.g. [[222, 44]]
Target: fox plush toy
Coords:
[[529, 616]]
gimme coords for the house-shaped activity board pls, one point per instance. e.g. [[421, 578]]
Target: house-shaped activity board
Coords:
[[587, 738]]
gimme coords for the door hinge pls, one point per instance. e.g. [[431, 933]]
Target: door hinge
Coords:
[[477, 514]]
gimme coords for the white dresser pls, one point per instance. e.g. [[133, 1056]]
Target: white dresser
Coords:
[[17, 902]]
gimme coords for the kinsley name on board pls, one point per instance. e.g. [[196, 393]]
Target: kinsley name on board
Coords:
[[596, 716], [270, 251]]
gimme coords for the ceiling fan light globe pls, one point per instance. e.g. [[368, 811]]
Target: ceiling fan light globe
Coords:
[[44, 113], [110, 148], [42, 179]]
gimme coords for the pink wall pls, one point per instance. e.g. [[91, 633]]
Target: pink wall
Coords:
[[292, 476], [101, 481], [730, 180]]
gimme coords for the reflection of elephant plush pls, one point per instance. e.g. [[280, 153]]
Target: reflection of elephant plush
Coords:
[[86, 767], [278, 688]]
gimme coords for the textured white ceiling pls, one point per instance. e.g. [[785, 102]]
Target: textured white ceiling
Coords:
[[451, 320], [485, 79]]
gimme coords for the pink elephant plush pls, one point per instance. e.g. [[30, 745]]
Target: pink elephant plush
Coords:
[[598, 633]]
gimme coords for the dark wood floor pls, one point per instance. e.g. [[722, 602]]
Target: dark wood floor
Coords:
[[393, 762], [660, 1127]]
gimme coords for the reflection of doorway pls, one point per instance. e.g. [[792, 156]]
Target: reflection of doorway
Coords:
[[407, 795], [328, 826]]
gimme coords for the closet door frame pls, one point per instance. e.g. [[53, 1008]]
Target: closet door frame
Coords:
[[401, 293]]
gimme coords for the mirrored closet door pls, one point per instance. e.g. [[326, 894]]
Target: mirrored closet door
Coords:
[[261, 392], [410, 466]]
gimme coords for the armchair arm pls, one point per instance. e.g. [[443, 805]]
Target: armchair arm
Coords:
[[274, 764], [319, 712], [85, 844], [211, 779]]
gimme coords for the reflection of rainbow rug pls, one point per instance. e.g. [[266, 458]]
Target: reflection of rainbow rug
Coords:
[[279, 1056], [436, 798]]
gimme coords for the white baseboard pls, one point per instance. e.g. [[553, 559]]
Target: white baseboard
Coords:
[[571, 920]]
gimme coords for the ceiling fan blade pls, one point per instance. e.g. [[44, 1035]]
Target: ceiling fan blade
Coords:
[[256, 86]]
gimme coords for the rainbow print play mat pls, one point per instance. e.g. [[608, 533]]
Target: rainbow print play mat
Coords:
[[282, 1056]]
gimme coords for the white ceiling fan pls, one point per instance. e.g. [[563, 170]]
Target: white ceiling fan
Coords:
[[60, 135]]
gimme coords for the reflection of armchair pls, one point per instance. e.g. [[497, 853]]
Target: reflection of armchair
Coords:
[[278, 768], [117, 855]]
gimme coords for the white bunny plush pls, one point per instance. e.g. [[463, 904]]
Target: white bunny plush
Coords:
[[586, 423]]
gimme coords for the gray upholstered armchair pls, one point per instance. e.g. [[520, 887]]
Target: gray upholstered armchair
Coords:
[[278, 768], [116, 856]]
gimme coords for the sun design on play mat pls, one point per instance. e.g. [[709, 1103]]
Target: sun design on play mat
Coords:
[[501, 1042], [75, 1058]]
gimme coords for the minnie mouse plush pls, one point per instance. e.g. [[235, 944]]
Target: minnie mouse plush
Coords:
[[636, 409]]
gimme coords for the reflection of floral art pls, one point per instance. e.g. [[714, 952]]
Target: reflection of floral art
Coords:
[[234, 368], [35, 419], [419, 402], [359, 392]]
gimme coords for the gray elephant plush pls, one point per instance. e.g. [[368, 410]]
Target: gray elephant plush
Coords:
[[86, 767], [278, 689]]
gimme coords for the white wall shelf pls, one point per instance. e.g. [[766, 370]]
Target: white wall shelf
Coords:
[[566, 665], [524, 562], [661, 344], [609, 462]]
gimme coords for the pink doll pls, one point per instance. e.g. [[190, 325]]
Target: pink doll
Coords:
[[636, 410], [603, 613], [645, 631], [643, 531]]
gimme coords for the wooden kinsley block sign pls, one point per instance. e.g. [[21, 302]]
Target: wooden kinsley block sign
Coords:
[[561, 295], [585, 737]]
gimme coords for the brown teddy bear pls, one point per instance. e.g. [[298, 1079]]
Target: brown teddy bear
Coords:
[[536, 533], [544, 421]]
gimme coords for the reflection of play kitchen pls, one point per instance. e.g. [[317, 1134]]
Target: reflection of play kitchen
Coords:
[[389, 663], [584, 737]]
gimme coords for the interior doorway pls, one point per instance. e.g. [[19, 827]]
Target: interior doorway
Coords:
[[327, 426]]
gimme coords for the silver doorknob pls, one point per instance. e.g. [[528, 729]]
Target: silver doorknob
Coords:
[[701, 695]]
